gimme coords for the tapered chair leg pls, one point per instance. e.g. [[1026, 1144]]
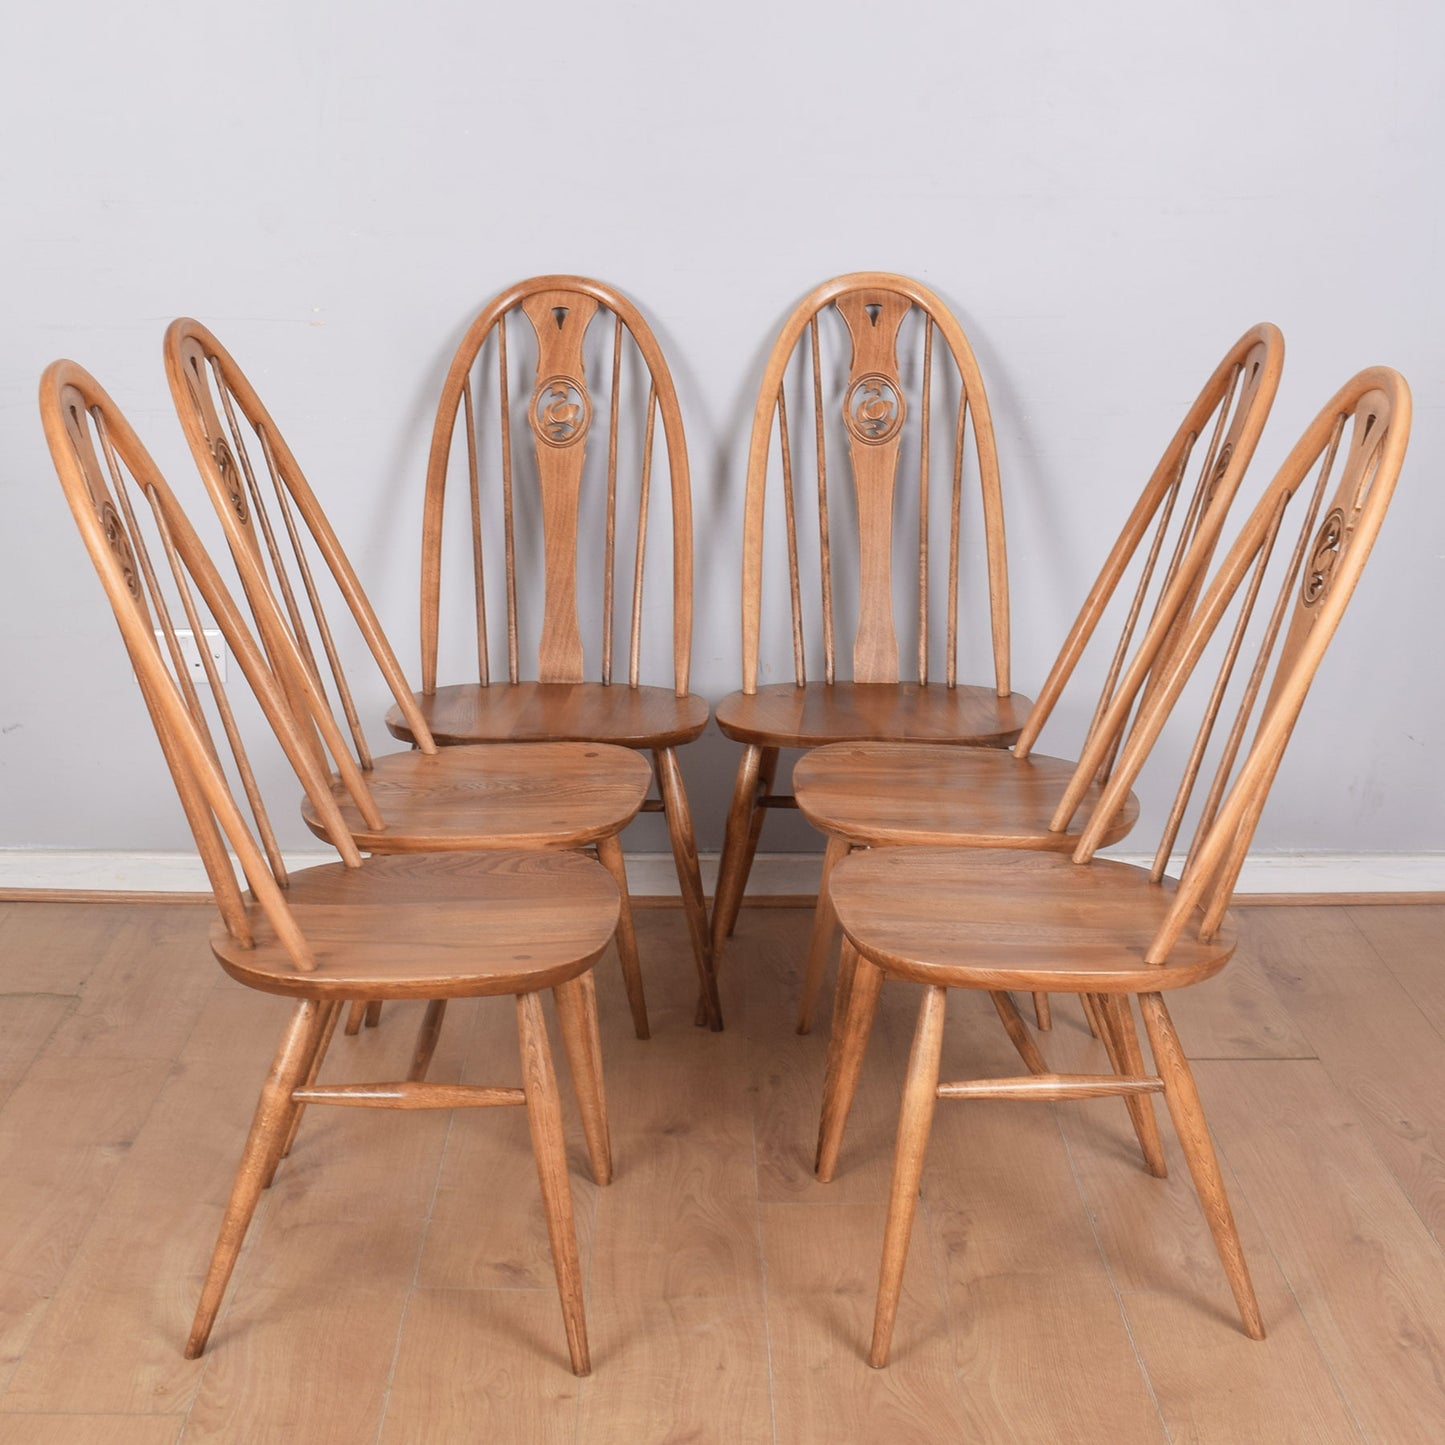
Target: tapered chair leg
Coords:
[[577, 1011], [689, 877], [1018, 1032], [1043, 1012], [915, 1120], [820, 942], [1182, 1097], [331, 1013], [426, 1039], [373, 1013], [269, 1128], [544, 1118], [845, 1061], [1128, 1059], [732, 874], [354, 1017], [609, 854], [767, 772]]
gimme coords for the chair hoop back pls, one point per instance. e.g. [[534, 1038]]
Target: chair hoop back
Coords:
[[563, 417], [116, 495], [877, 418]]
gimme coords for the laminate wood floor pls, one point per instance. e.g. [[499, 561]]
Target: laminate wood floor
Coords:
[[397, 1285]]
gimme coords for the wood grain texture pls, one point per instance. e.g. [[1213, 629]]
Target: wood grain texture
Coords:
[[783, 715], [996, 919], [922, 795], [1052, 1278]]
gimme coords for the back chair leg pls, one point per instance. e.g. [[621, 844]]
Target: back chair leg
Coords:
[[1118, 1020], [330, 1015], [609, 854], [1043, 1014], [820, 943], [264, 1143], [767, 773], [544, 1118], [915, 1120], [577, 1012], [1018, 1032], [864, 982], [732, 874], [373, 1013], [354, 1017], [1182, 1097], [426, 1039], [689, 877]]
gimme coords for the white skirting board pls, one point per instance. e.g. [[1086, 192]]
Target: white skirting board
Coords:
[[651, 874]]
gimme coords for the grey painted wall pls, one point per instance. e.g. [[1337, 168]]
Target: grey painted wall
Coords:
[[1106, 194]]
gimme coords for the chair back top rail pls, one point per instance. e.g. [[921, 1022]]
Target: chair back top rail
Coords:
[[272, 519], [1180, 523], [118, 496], [1344, 467], [561, 419], [876, 416]]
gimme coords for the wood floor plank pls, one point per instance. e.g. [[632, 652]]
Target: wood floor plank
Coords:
[[125, 1304], [53, 947], [90, 1429], [1377, 1045], [482, 1364], [1369, 1278], [1410, 942], [1029, 1294], [72, 1128], [28, 1022], [308, 1331], [1180, 1311], [675, 1296], [822, 1263]]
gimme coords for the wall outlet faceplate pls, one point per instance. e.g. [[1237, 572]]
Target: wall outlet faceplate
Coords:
[[214, 644]]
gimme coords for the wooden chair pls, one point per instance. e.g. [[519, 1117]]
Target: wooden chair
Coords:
[[534, 795], [571, 323], [999, 920], [871, 795], [426, 927], [904, 386]]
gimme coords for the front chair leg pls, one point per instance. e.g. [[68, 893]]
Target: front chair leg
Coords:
[[820, 941], [1182, 1097], [544, 1118], [689, 878], [609, 854], [915, 1120], [1118, 1020], [269, 1127]]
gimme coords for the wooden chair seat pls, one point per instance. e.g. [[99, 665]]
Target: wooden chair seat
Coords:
[[491, 798], [920, 794], [439, 925], [1006, 919], [631, 717], [787, 716]]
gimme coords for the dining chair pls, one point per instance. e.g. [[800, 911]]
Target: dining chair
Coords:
[[574, 509], [871, 380], [500, 796], [874, 795], [1039, 921], [404, 926]]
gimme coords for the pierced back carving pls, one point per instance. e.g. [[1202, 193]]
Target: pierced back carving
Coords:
[[274, 524], [530, 416], [1344, 469], [1171, 532], [159, 579], [871, 411]]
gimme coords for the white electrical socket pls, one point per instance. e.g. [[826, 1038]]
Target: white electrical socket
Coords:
[[214, 643]]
